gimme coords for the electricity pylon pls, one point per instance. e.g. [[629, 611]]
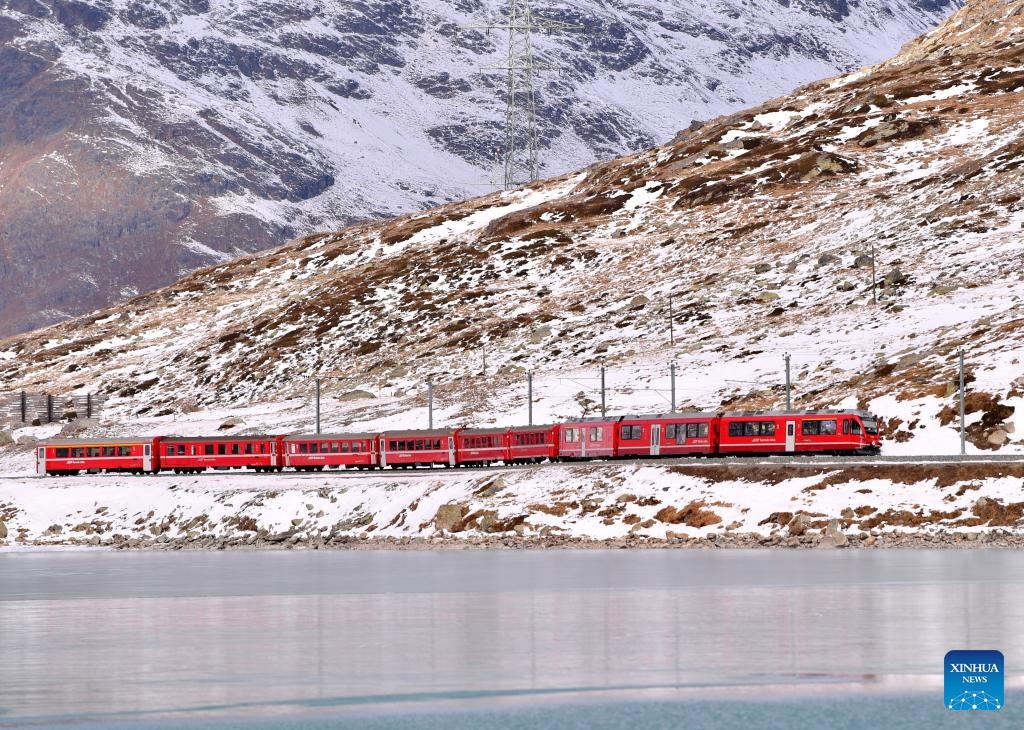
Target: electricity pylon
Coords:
[[521, 156]]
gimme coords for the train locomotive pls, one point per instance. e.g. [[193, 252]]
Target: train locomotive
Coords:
[[748, 433]]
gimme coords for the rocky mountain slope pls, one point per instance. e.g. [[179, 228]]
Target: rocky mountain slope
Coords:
[[141, 139], [760, 224]]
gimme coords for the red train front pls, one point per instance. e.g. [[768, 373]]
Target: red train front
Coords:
[[791, 432]]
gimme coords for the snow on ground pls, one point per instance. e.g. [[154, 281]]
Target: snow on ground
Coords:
[[593, 500]]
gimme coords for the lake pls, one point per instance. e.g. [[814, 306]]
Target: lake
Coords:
[[453, 639]]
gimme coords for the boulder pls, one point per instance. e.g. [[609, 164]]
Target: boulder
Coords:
[[638, 301], [230, 423], [833, 537], [846, 286], [798, 525], [3, 531], [828, 258], [767, 296], [540, 334], [6, 439], [895, 278], [296, 521], [862, 262], [762, 268], [998, 437], [491, 487], [356, 395], [449, 516]]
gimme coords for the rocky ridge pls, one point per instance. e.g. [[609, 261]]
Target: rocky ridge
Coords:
[[760, 224], [141, 139]]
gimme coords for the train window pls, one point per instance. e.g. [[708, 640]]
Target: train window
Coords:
[[855, 427], [749, 428], [77, 452], [571, 435], [303, 448], [236, 449], [181, 449], [846, 426], [702, 432], [109, 451], [357, 446], [325, 447], [222, 449], [263, 447], [810, 428], [345, 447], [670, 430], [596, 433], [766, 428], [124, 450], [735, 428], [248, 448], [828, 428], [93, 450], [692, 430], [170, 449], [392, 446], [61, 453]]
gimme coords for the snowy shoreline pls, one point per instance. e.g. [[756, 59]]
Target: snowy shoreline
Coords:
[[576, 505]]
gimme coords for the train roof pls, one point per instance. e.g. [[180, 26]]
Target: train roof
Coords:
[[670, 416], [591, 419], [534, 427], [218, 439], [808, 412], [477, 431], [416, 434], [96, 442], [363, 435]]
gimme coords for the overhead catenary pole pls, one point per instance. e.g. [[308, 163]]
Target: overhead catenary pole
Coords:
[[529, 398], [671, 324], [672, 377], [874, 279], [430, 404], [603, 409], [318, 406], [963, 432], [789, 398], [483, 353]]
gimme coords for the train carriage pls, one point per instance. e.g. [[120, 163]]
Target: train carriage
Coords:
[[790, 432], [313, 452], [669, 434], [532, 444], [587, 438], [418, 448], [481, 446], [194, 454], [72, 456]]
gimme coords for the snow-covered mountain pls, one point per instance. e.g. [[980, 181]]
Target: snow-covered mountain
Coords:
[[140, 139], [760, 225]]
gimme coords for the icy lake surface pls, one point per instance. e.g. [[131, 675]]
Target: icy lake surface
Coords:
[[461, 639]]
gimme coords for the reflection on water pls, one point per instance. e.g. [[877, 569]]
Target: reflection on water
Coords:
[[116, 635]]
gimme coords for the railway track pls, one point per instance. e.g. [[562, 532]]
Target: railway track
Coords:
[[710, 463]]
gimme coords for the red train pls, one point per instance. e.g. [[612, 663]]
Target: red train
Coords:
[[618, 437]]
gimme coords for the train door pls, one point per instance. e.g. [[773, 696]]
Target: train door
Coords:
[[583, 441], [790, 435], [383, 453], [41, 461], [656, 439], [451, 451], [147, 457]]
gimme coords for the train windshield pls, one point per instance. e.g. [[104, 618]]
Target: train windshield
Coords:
[[870, 425]]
